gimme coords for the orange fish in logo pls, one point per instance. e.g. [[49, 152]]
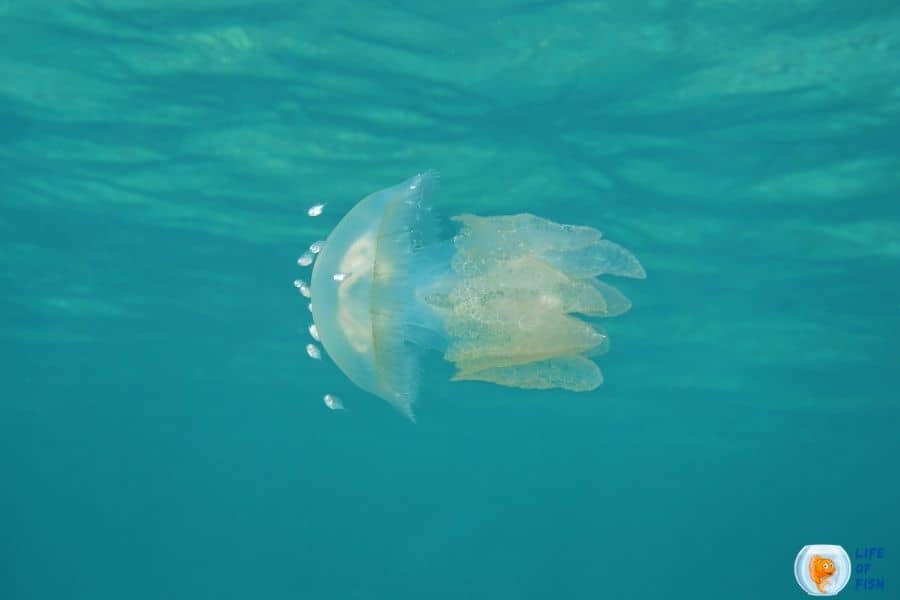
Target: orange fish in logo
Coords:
[[820, 569]]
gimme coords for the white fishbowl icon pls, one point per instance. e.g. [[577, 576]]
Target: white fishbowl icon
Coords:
[[822, 569]]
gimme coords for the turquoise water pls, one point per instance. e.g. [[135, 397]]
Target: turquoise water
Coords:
[[162, 433]]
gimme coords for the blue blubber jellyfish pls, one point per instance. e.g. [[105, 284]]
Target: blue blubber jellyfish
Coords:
[[510, 300]]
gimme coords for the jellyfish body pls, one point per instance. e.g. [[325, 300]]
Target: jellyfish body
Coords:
[[508, 300]]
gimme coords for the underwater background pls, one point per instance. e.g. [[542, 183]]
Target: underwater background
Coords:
[[162, 431]]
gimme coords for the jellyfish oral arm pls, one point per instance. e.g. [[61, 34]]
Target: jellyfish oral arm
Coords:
[[522, 287]]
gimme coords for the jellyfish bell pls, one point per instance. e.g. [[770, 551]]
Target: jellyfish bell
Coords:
[[363, 296], [508, 300]]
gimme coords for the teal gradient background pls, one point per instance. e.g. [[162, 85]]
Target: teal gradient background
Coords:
[[162, 432]]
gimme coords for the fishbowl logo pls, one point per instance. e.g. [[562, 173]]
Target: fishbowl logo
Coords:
[[822, 569]]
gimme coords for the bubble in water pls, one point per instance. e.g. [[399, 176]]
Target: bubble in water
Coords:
[[316, 247], [313, 351], [339, 276], [333, 402], [306, 259], [309, 307], [314, 332], [315, 211]]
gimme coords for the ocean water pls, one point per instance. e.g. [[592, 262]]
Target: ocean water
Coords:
[[162, 432]]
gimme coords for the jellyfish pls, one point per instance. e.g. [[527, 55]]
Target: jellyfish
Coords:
[[512, 300]]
